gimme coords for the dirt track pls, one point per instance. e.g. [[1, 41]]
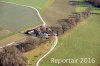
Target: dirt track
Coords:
[[57, 11]]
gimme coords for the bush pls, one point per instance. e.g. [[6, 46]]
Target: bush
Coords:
[[28, 44], [57, 29], [64, 24]]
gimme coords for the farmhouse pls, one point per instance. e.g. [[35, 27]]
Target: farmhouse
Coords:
[[41, 31]]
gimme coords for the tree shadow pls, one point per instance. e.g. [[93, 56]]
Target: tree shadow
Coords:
[[79, 3], [85, 4], [94, 4], [95, 13], [96, 8]]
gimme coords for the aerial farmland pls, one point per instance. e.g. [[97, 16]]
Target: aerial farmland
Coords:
[[16, 18], [49, 33]]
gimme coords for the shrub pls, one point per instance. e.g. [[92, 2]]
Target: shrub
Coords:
[[64, 24], [28, 44], [57, 29]]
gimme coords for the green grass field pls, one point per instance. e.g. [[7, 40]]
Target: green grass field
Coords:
[[81, 42], [17, 18], [13, 15], [39, 4]]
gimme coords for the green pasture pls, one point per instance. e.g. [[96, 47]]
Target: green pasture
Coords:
[[81, 42], [39, 4], [16, 18]]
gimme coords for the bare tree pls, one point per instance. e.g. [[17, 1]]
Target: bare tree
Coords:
[[11, 56], [94, 2], [28, 44], [57, 29]]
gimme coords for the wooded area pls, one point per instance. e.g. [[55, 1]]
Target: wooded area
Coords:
[[94, 2], [11, 56]]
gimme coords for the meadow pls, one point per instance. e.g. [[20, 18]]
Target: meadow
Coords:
[[14, 18], [60, 9], [39, 4], [80, 42]]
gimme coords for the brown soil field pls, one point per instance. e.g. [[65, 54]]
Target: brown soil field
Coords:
[[57, 11]]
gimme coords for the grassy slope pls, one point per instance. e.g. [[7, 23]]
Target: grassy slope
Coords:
[[38, 51], [60, 9], [82, 41]]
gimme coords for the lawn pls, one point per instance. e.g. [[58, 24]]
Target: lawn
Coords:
[[81, 42]]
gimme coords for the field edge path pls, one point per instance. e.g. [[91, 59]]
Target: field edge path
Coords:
[[55, 44]]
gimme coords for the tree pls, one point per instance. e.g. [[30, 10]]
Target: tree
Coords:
[[28, 44], [64, 24], [57, 29], [94, 2], [11, 56]]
